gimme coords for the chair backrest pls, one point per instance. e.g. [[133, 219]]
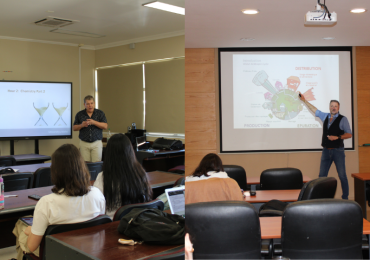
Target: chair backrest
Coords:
[[154, 204], [238, 174], [179, 181], [94, 168], [320, 188], [55, 229], [281, 179], [7, 161], [42, 177], [322, 229], [224, 230], [18, 181]]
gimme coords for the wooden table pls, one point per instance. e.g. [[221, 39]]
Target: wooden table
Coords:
[[23, 159], [360, 190], [256, 180], [263, 196], [271, 227], [16, 207], [162, 160], [29, 167], [100, 242]]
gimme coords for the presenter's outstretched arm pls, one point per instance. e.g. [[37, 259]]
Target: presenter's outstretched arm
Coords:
[[308, 104]]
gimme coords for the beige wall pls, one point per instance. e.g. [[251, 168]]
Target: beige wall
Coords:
[[144, 51], [202, 127], [46, 62], [150, 50]]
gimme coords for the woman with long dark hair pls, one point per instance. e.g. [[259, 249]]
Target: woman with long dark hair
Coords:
[[209, 167], [72, 200], [209, 182], [123, 180]]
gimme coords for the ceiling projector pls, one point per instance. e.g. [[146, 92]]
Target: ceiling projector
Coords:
[[320, 16]]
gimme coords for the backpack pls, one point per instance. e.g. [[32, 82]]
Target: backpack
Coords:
[[153, 226], [167, 144]]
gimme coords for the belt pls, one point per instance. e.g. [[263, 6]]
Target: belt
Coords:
[[90, 141]]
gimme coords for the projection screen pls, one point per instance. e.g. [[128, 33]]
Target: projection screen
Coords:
[[259, 106]]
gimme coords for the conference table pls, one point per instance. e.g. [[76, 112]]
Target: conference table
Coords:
[[256, 180], [23, 159], [263, 196], [360, 190], [99, 242], [21, 205], [271, 227]]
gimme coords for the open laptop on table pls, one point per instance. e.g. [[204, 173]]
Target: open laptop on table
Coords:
[[176, 200]]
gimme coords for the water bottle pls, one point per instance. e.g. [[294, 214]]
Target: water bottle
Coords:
[[109, 135], [1, 192]]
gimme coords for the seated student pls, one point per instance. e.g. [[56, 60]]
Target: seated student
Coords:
[[209, 182], [73, 199], [123, 180]]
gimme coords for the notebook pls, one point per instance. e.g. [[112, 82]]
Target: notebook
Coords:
[[176, 200]]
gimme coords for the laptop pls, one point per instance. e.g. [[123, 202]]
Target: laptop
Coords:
[[176, 200], [140, 142]]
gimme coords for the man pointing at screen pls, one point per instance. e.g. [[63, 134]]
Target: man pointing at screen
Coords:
[[90, 122], [336, 128]]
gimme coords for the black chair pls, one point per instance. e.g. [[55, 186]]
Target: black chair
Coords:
[[18, 181], [281, 179], [322, 229], [179, 181], [7, 161], [320, 188], [154, 204], [238, 174], [55, 229], [94, 168], [224, 230], [42, 177]]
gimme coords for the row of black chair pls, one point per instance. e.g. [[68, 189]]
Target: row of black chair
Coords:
[[270, 179], [325, 229], [7, 161], [40, 178]]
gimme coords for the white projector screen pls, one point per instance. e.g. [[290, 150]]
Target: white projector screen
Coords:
[[259, 106], [35, 110]]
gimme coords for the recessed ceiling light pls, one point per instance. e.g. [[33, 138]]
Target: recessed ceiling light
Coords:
[[328, 38], [247, 39], [250, 11], [166, 7], [358, 10]]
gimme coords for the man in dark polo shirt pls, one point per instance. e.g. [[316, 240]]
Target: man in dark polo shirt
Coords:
[[336, 128], [90, 122]]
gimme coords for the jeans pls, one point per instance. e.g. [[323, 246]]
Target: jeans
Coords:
[[336, 155]]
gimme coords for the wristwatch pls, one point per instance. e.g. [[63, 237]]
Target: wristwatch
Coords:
[[339, 137]]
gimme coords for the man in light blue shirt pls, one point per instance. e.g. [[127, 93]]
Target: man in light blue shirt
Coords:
[[336, 128]]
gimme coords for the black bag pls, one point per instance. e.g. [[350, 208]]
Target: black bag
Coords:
[[7, 170], [153, 226], [167, 144]]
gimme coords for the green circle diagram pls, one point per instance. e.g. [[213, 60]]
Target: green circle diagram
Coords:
[[286, 104]]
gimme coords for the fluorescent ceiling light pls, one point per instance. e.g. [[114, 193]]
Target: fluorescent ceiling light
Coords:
[[166, 7], [250, 11], [76, 33], [328, 38], [358, 10]]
